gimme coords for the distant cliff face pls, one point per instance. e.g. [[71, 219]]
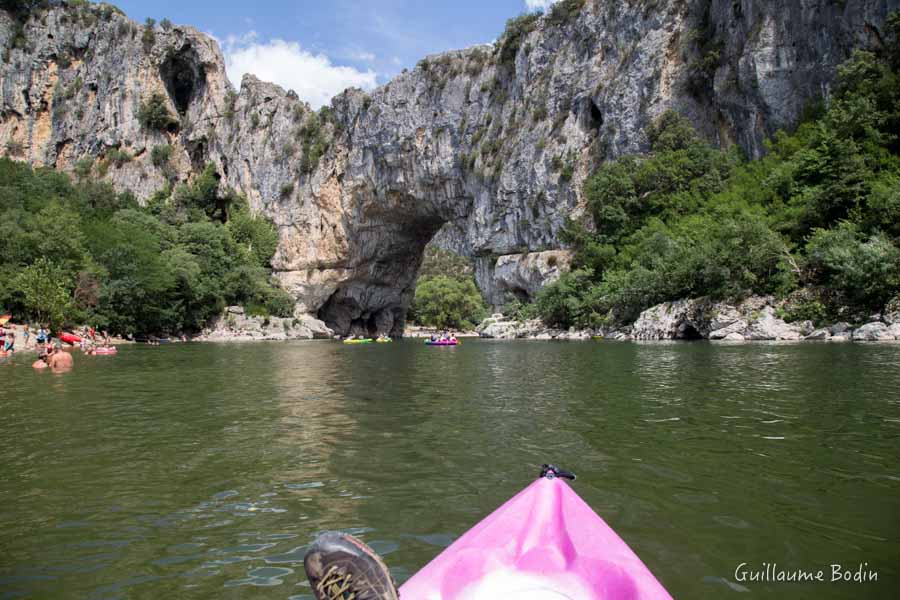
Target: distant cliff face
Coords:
[[483, 150]]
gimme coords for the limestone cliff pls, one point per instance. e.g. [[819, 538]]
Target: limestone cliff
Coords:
[[482, 149]]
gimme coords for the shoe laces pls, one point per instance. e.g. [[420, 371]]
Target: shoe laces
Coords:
[[335, 585]]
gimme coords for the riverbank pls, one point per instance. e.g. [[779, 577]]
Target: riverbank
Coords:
[[755, 319], [235, 325], [419, 332], [758, 318], [31, 347]]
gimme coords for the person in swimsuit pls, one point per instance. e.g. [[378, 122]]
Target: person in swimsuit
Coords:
[[59, 360], [40, 363]]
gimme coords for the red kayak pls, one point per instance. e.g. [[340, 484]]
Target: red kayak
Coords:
[[69, 338]]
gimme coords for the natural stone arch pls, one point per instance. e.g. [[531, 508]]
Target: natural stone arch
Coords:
[[376, 295], [386, 234]]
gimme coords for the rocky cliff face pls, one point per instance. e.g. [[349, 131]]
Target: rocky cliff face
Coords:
[[483, 149]]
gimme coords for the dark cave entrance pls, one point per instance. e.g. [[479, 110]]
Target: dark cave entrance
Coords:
[[688, 332], [596, 115], [589, 115], [184, 77], [515, 294]]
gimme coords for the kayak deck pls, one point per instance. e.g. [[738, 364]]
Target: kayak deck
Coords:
[[545, 542]]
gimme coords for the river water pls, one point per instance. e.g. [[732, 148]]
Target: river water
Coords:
[[203, 470]]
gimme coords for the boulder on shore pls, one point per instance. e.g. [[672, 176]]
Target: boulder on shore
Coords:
[[874, 332], [499, 327], [234, 325], [753, 319]]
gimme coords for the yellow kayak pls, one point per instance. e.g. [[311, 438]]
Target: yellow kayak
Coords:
[[383, 341], [363, 341]]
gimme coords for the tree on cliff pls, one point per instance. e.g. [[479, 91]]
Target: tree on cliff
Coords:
[[821, 211], [22, 8]]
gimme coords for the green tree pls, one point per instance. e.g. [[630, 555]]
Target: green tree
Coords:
[[204, 194], [437, 261], [864, 269], [154, 113], [160, 155], [46, 292], [256, 237], [567, 301], [163, 268], [444, 303], [138, 283], [517, 29]]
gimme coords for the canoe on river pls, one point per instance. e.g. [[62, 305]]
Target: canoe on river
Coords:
[[543, 543], [69, 338]]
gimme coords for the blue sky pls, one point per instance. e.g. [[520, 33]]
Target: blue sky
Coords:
[[319, 47]]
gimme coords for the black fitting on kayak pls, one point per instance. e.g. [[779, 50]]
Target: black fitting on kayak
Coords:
[[551, 471]]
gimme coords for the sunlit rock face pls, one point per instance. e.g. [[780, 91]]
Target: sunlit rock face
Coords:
[[483, 148]]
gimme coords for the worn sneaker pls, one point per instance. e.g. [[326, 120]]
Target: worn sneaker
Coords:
[[341, 567]]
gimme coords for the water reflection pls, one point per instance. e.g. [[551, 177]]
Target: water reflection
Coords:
[[206, 470]]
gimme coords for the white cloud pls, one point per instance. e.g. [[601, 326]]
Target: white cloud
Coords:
[[366, 56], [312, 76], [539, 4]]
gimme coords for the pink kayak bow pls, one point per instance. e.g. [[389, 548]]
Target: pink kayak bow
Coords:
[[545, 542]]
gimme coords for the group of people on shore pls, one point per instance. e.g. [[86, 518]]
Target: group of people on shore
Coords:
[[91, 341], [43, 338], [50, 350]]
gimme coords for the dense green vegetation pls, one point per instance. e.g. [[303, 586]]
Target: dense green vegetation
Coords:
[[446, 295], [518, 28], [154, 115], [816, 221], [80, 252]]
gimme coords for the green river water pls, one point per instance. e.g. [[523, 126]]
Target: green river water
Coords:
[[203, 470]]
